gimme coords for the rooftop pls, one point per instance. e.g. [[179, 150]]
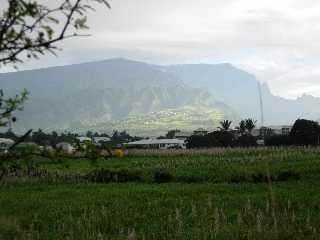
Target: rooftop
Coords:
[[201, 130], [157, 141]]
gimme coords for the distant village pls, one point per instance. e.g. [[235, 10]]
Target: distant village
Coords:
[[223, 136]]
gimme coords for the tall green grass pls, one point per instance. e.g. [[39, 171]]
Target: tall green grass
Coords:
[[168, 211], [230, 194], [230, 166]]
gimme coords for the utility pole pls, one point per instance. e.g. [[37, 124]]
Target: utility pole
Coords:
[[261, 112], [261, 104]]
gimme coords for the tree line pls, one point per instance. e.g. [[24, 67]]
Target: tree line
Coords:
[[53, 138], [304, 132], [225, 136]]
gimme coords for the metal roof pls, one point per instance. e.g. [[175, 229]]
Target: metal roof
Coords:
[[201, 130], [102, 139], [83, 139], [156, 141]]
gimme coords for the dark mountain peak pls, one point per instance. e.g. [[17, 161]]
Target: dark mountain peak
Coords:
[[116, 89], [86, 65], [109, 93]]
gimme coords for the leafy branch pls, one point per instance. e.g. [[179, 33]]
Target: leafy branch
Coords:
[[28, 28]]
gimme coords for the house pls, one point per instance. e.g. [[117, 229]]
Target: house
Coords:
[[200, 132], [281, 130], [101, 140], [65, 147], [5, 143], [272, 130], [262, 131], [84, 139], [182, 135], [158, 144]]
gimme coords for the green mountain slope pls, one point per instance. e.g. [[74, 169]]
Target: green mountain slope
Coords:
[[112, 95], [158, 123]]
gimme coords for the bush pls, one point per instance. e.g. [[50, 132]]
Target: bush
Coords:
[[108, 176], [238, 179], [125, 175], [188, 179], [48, 153], [24, 150], [196, 141], [221, 139], [278, 140], [305, 132], [213, 139], [264, 178], [92, 152], [247, 140], [288, 175], [162, 176]]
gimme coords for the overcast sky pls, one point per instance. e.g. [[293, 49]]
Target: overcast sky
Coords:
[[277, 40]]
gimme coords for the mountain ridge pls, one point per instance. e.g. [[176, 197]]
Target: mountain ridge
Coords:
[[111, 91], [103, 93]]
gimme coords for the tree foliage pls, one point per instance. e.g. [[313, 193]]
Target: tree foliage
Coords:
[[246, 126], [29, 29], [242, 127], [250, 124], [305, 132], [9, 105], [225, 125], [171, 134]]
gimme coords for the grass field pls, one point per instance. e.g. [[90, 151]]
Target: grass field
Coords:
[[229, 194]]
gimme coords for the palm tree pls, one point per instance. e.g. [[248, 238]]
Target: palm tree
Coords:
[[225, 125], [250, 124], [242, 127]]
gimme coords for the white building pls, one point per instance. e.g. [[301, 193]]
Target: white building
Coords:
[[281, 130], [158, 143], [84, 139], [272, 130]]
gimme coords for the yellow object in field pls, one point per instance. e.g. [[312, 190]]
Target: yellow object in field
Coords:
[[119, 153]]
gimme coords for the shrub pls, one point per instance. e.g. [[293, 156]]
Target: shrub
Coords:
[[107, 176], [264, 178], [162, 176], [48, 153], [188, 179], [247, 140], [305, 132], [125, 175], [238, 179], [288, 175], [278, 140]]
